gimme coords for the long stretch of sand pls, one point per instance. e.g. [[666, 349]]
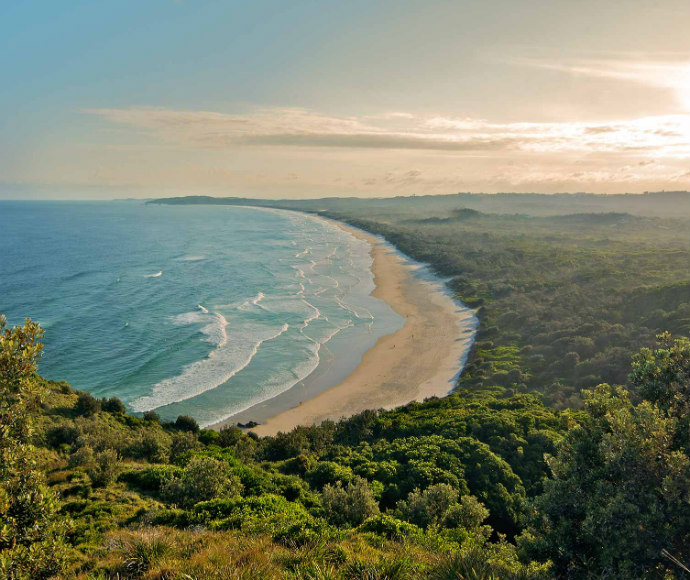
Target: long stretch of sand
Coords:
[[418, 361]]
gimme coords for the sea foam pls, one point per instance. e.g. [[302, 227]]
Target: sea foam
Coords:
[[223, 363]]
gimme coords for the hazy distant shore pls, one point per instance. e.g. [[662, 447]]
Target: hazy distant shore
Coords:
[[420, 360]]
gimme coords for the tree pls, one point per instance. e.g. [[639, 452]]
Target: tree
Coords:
[[31, 534], [620, 492], [662, 376], [151, 416], [87, 405], [113, 405], [186, 423], [229, 436]]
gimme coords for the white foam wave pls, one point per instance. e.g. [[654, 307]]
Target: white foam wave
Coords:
[[220, 366], [352, 310], [316, 314], [281, 382], [215, 324], [156, 275], [243, 304], [253, 302]]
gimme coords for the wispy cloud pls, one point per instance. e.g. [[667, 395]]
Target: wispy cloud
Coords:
[[663, 73], [660, 136]]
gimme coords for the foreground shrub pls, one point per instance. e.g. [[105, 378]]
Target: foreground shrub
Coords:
[[396, 569], [152, 478], [143, 552], [186, 423], [468, 513], [429, 506], [113, 405], [87, 405], [203, 479], [389, 527], [485, 561], [351, 504], [154, 446], [105, 469], [183, 443]]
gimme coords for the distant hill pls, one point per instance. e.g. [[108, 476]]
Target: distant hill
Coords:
[[664, 204]]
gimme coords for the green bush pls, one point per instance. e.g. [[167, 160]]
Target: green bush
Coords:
[[87, 405], [83, 457], [229, 436], [151, 478], [62, 434], [428, 507], [390, 527], [468, 513], [183, 443], [350, 504], [105, 468], [328, 472], [151, 416], [113, 405], [154, 445], [203, 479], [186, 423]]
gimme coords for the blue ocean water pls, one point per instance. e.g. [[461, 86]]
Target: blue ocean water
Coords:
[[199, 310]]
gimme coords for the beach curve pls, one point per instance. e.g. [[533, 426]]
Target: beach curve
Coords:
[[420, 360]]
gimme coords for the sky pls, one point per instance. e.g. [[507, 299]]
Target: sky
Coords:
[[302, 99]]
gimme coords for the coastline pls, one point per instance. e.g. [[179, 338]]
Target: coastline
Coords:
[[420, 360]]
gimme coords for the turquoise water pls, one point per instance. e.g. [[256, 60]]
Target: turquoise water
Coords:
[[199, 310]]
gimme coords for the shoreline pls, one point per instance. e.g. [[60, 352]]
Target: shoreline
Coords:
[[420, 360]]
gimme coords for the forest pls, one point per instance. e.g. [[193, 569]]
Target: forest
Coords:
[[563, 453]]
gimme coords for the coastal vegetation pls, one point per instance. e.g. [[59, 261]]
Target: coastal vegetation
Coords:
[[563, 453]]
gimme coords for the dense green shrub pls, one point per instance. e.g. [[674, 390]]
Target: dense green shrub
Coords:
[[623, 475], [154, 445], [428, 507], [350, 504], [186, 423], [113, 405], [390, 527], [105, 468], [328, 472], [182, 445], [83, 457], [151, 416], [152, 478], [203, 479], [229, 436], [87, 405], [468, 513]]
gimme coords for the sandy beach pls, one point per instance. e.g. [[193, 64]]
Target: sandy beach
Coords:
[[418, 361]]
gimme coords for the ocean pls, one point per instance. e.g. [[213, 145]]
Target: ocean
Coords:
[[196, 310]]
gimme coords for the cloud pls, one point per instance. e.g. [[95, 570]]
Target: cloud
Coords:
[[664, 74], [660, 136]]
